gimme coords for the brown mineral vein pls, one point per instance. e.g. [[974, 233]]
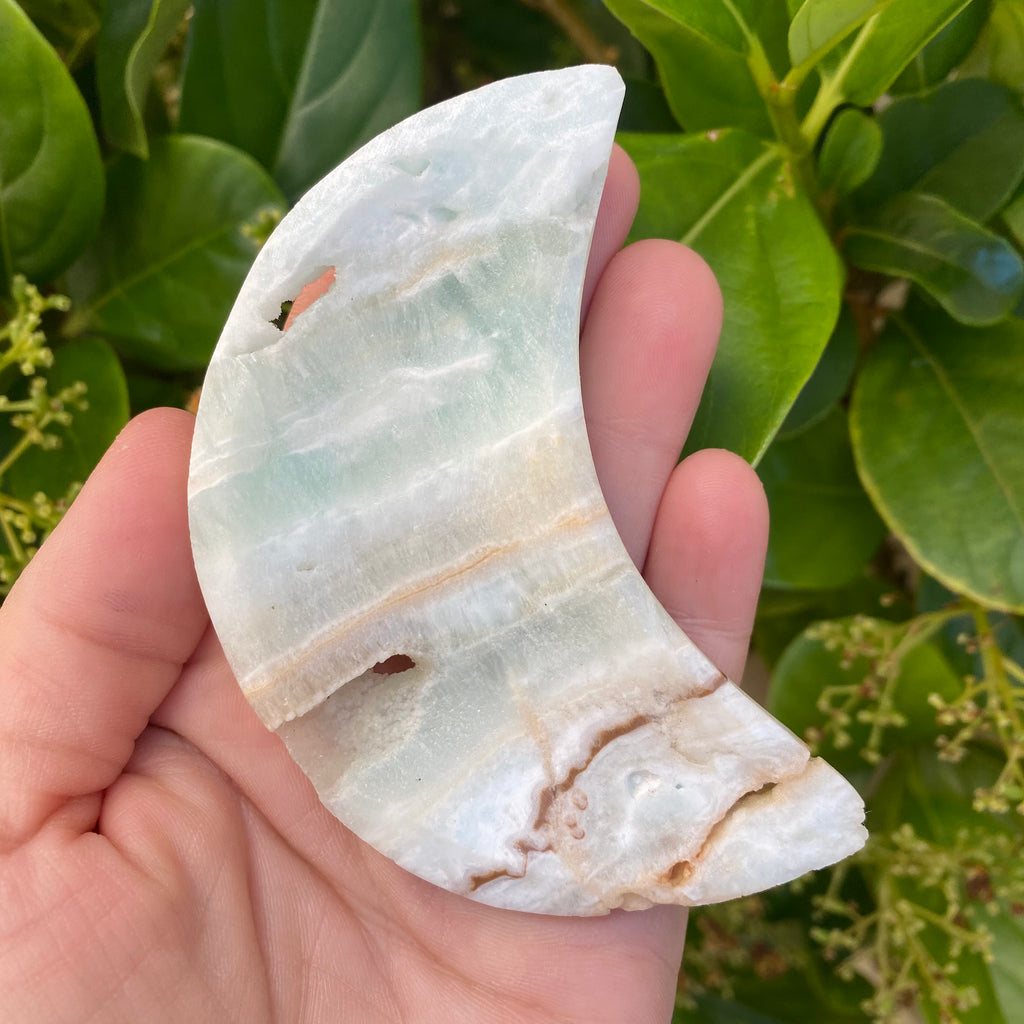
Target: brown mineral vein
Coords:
[[525, 847], [549, 794], [682, 871], [287, 666], [477, 880]]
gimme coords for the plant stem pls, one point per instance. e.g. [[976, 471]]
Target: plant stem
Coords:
[[579, 33], [780, 101], [994, 670]]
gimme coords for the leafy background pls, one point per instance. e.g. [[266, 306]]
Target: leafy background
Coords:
[[851, 169]]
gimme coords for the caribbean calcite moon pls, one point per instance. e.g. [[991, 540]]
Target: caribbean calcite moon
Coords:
[[406, 471]]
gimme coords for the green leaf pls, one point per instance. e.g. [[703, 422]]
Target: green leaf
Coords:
[[829, 381], [850, 152], [823, 526], [864, 66], [90, 432], [962, 142], [821, 25], [1007, 967], [704, 50], [808, 666], [945, 50], [733, 198], [172, 250], [1006, 45], [999, 52], [132, 39], [300, 84], [938, 438], [976, 275], [51, 178]]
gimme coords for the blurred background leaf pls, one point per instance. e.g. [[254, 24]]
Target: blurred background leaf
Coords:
[[829, 381], [850, 152], [163, 271], [300, 84], [945, 50], [132, 39], [976, 275], [824, 528], [51, 178], [962, 141]]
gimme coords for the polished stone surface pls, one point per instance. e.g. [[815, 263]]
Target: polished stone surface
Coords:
[[405, 471]]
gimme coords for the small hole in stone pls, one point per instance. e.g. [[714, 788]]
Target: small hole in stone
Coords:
[[293, 308], [393, 665], [306, 566], [286, 308], [678, 873]]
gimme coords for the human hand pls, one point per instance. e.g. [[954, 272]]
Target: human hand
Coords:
[[161, 856]]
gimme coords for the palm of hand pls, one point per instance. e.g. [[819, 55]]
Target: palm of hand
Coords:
[[161, 856]]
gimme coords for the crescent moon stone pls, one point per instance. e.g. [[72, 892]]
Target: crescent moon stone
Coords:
[[406, 471]]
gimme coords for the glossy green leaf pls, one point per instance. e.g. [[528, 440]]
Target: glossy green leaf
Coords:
[[733, 199], [300, 84], [868, 63], [90, 432], [132, 39], [51, 178], [830, 379], [945, 50], [962, 142], [823, 526], [783, 614], [821, 25], [703, 49], [172, 250], [1007, 967], [976, 275], [808, 666], [998, 54], [850, 152], [939, 441], [1006, 44]]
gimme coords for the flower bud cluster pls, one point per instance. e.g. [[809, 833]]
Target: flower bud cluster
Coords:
[[24, 524], [929, 898]]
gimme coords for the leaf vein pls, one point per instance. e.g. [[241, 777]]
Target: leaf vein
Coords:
[[947, 386]]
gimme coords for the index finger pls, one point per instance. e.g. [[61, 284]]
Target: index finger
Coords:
[[95, 632]]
